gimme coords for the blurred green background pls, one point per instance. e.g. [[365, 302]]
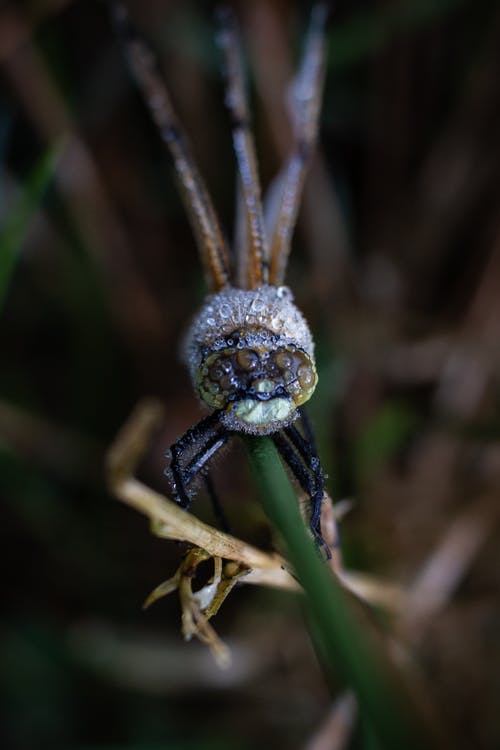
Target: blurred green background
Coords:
[[396, 265]]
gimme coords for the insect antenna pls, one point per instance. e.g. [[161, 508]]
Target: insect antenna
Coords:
[[306, 102], [254, 255], [209, 237]]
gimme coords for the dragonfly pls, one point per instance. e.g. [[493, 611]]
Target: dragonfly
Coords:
[[249, 350]]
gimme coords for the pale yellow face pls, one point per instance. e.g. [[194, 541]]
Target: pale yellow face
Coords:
[[258, 386]]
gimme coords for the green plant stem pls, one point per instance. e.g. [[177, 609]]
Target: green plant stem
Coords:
[[349, 652]]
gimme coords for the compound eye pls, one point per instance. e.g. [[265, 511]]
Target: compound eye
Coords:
[[306, 376], [216, 379], [223, 373], [297, 373]]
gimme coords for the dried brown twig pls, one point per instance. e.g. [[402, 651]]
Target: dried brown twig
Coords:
[[237, 561], [169, 521], [247, 564]]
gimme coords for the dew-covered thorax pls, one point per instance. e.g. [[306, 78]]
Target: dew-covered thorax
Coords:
[[251, 354]]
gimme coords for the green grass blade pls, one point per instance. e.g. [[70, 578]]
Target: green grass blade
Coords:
[[16, 225], [348, 651]]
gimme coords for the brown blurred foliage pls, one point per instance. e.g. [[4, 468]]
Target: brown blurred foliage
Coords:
[[397, 266]]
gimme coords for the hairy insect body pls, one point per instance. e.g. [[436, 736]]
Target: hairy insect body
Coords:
[[250, 354]]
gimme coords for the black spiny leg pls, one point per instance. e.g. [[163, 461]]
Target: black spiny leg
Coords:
[[313, 464], [307, 429], [301, 457], [200, 443], [294, 462]]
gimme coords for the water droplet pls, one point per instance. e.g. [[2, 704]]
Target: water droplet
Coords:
[[284, 360], [305, 375], [258, 305], [210, 321], [247, 359], [225, 311]]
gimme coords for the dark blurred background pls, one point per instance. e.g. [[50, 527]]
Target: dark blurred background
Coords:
[[396, 264]]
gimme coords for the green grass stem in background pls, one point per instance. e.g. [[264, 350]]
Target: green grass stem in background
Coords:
[[349, 652], [16, 226]]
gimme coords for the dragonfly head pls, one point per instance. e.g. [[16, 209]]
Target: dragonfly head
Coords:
[[259, 387]]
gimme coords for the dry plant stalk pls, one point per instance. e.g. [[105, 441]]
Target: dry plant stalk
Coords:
[[237, 561], [234, 560], [169, 521]]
